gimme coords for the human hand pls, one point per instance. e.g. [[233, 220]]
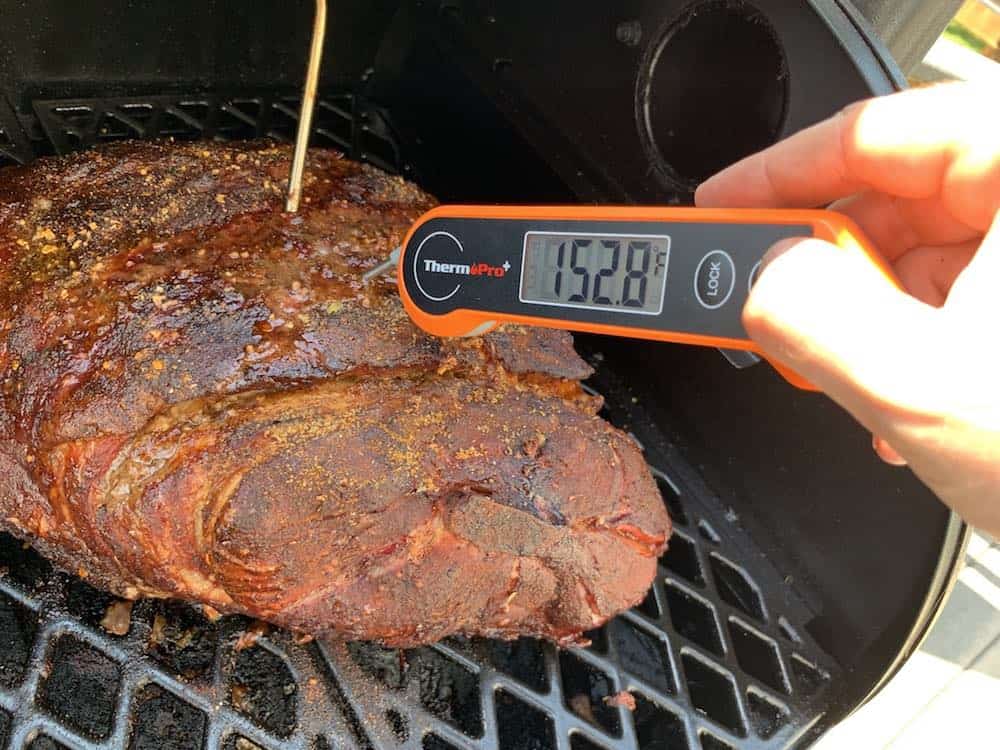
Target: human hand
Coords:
[[919, 172]]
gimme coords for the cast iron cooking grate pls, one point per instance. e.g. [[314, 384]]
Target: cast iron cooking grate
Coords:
[[716, 657], [712, 658], [343, 121]]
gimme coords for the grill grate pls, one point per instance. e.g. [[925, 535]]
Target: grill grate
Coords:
[[343, 121], [716, 657], [704, 656]]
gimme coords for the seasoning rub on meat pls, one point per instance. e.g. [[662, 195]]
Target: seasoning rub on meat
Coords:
[[200, 399]]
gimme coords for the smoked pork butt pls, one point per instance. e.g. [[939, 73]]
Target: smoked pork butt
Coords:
[[200, 399]]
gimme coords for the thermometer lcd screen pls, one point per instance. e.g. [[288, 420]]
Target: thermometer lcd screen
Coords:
[[617, 273]]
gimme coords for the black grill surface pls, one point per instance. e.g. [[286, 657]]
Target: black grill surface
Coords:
[[716, 657]]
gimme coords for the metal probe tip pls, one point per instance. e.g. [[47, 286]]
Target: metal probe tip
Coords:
[[306, 113], [387, 265]]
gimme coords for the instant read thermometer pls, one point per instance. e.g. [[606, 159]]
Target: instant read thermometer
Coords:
[[666, 274]]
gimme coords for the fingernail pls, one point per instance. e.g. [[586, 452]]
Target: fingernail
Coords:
[[886, 452]]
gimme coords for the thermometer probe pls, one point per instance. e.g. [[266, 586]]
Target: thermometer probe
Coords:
[[666, 274]]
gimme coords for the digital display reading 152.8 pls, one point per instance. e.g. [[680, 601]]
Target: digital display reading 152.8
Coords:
[[599, 272]]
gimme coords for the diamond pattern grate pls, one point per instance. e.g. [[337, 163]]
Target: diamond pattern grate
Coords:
[[343, 121], [716, 657], [705, 660]]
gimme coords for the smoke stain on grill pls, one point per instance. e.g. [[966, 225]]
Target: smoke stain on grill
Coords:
[[162, 721], [81, 688], [18, 626], [262, 688]]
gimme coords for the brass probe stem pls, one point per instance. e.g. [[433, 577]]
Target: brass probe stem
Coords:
[[306, 113]]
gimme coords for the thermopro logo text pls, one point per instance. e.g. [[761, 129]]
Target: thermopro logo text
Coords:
[[463, 269]]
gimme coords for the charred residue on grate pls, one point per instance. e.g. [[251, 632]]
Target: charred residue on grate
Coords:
[[162, 721], [18, 626], [81, 687], [180, 638], [399, 726], [446, 689], [262, 688]]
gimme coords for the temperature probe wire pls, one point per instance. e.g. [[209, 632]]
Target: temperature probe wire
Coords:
[[306, 112]]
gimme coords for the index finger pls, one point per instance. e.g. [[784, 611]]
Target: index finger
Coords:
[[935, 141]]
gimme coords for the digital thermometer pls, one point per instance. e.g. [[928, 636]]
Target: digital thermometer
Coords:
[[666, 274]]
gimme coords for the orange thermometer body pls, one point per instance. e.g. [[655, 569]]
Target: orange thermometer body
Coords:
[[666, 274]]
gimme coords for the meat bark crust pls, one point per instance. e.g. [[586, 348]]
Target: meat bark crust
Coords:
[[200, 399]]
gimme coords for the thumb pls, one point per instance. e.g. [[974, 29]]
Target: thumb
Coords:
[[834, 318]]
